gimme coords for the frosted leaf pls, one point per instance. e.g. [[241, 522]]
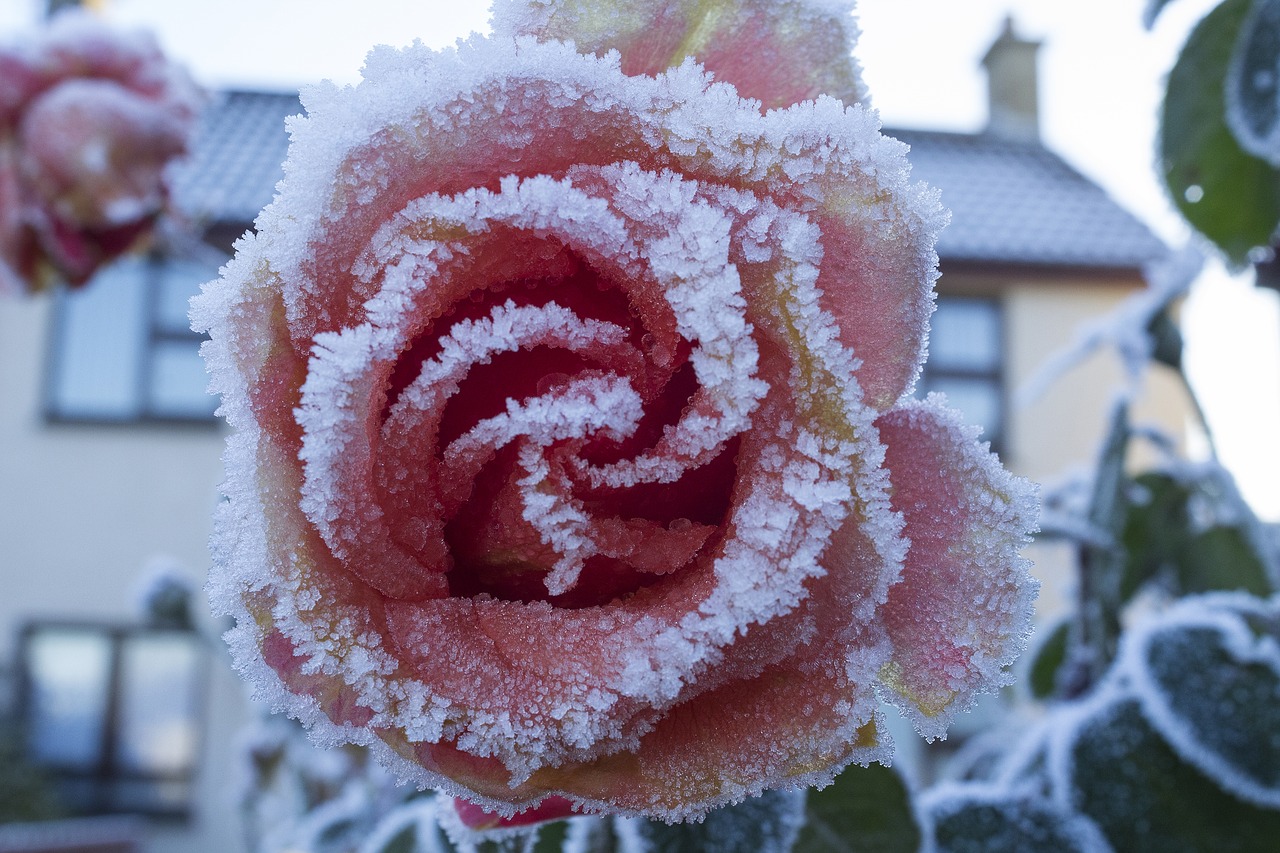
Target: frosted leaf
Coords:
[[1208, 676], [90, 121], [1152, 11], [556, 469], [1118, 771], [1252, 83], [769, 823], [974, 818], [777, 52], [412, 827]]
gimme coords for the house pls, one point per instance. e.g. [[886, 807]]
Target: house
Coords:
[[1034, 253], [110, 453]]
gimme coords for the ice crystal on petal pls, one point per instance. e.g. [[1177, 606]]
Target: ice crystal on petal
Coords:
[[562, 464]]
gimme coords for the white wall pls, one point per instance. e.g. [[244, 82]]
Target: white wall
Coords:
[[83, 509]]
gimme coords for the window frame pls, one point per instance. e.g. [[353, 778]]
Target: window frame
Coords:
[[147, 413], [110, 771], [997, 374]]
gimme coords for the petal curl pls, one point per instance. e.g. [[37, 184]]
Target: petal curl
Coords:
[[711, 305], [962, 611], [445, 123]]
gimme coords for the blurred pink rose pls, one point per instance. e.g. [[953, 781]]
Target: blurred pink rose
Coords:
[[89, 120], [572, 461]]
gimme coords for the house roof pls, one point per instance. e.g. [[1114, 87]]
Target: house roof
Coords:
[[236, 159], [1011, 202], [1017, 202]]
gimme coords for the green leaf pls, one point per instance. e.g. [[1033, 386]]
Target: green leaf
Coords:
[[1222, 558], [1253, 83], [864, 809], [1049, 658], [1155, 531], [1146, 799], [1161, 543], [977, 819], [551, 837], [1230, 196], [1214, 693], [764, 824]]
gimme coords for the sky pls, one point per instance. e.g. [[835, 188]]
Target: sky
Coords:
[[1101, 77]]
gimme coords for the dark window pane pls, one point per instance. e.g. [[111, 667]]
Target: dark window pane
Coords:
[[124, 349]]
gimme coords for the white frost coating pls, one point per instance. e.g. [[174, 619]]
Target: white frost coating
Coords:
[[421, 815], [1220, 613], [468, 840], [581, 409], [1063, 728], [948, 798], [1256, 128], [686, 246], [820, 462]]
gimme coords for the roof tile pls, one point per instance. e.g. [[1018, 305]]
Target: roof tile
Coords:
[[1018, 202], [1011, 202]]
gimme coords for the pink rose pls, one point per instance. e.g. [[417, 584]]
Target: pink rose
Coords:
[[89, 119], [572, 457]]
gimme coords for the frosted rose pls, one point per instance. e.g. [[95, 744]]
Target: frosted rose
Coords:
[[89, 119], [571, 453]]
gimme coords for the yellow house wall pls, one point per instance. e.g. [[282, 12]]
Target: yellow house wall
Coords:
[[1056, 434]]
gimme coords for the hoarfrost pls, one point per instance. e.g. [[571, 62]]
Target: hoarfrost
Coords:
[[1207, 674], [759, 250], [975, 818]]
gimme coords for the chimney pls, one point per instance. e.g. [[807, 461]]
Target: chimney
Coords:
[[1013, 107]]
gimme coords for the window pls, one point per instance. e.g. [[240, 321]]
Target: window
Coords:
[[122, 347], [965, 354], [114, 714]]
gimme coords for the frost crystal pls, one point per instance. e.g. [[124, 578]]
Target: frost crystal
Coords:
[[569, 455]]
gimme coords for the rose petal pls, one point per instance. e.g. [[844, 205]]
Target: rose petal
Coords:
[[95, 151], [89, 120], [816, 159], [962, 611], [478, 818], [780, 52], [593, 499]]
